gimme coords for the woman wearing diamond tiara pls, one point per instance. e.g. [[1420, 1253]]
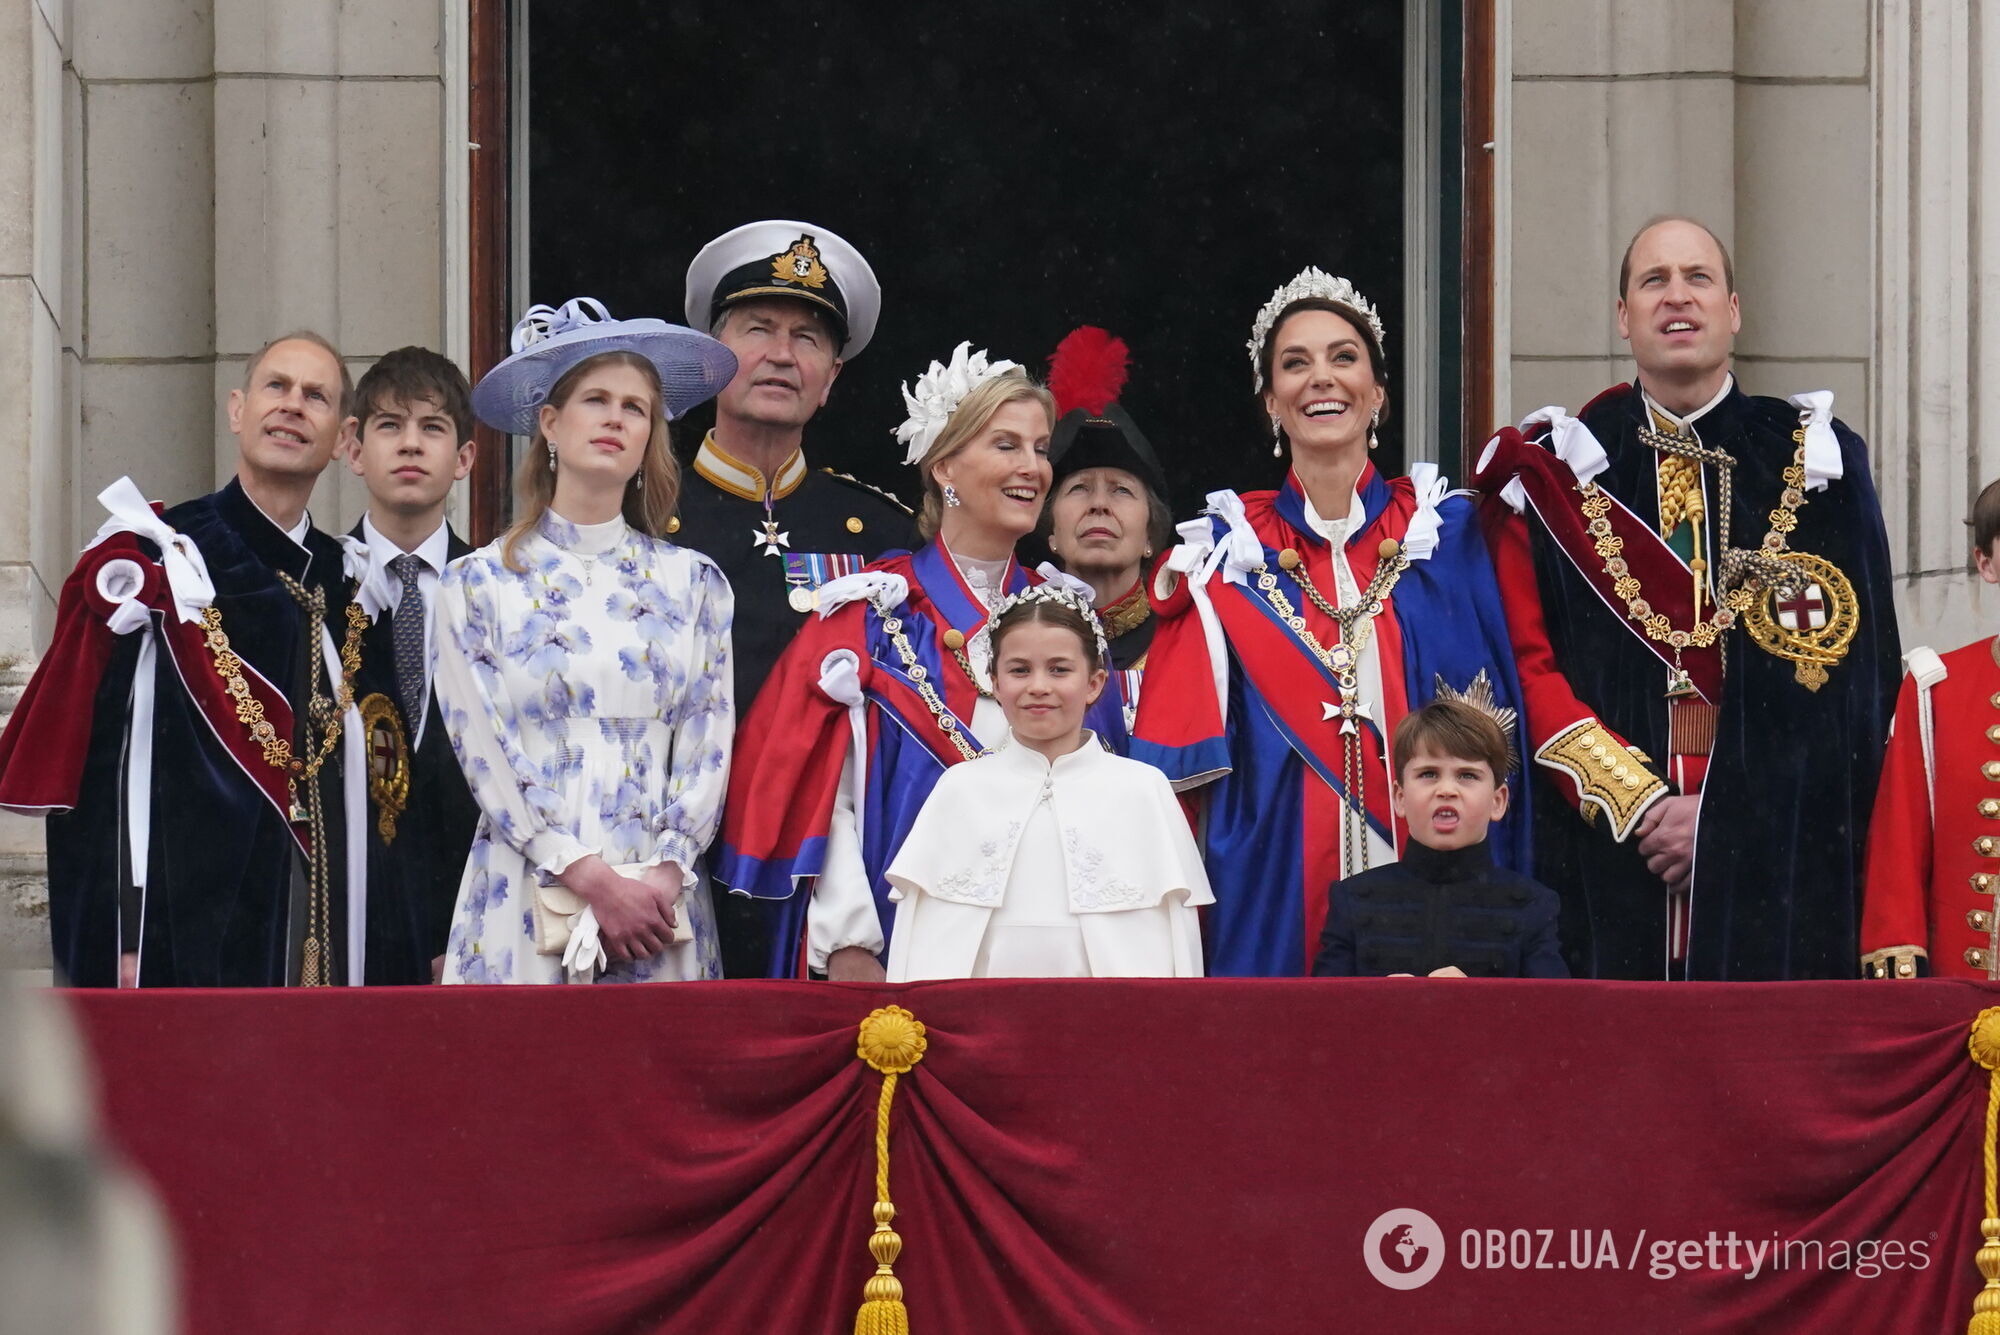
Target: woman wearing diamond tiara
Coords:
[[582, 668], [1297, 627], [1048, 857], [879, 694]]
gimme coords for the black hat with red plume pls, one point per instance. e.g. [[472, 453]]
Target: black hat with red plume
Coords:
[[1087, 374]]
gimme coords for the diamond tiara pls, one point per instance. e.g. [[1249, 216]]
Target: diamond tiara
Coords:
[[1054, 591], [1311, 282]]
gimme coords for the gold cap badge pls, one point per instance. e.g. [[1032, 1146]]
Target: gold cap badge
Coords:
[[799, 266]]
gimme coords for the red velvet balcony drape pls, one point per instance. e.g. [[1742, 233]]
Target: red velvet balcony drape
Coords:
[[1100, 1156]]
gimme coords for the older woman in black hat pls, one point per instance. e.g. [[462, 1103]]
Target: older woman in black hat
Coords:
[[582, 668], [1107, 512]]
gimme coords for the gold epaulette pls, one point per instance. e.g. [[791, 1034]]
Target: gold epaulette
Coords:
[[886, 495], [1609, 777], [1893, 962]]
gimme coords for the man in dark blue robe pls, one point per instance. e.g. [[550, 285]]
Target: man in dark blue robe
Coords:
[[1711, 574], [190, 734]]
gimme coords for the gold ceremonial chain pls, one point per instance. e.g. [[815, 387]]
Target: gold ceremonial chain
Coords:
[[314, 967], [1357, 624], [1596, 506], [250, 710], [965, 666], [946, 720], [315, 955]]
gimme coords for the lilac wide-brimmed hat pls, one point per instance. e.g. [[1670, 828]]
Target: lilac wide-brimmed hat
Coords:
[[547, 342]]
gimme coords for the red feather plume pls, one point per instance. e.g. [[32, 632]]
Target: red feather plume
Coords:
[[1088, 370]]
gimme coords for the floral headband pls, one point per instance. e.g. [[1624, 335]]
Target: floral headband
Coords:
[[938, 393]]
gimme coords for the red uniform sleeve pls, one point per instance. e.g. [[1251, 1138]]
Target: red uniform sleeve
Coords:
[[1568, 739], [1895, 926]]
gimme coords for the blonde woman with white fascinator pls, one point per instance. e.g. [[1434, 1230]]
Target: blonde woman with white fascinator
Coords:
[[582, 668], [887, 686]]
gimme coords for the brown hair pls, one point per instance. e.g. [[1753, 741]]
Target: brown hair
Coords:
[[1625, 265], [1985, 519], [1451, 728], [319, 341], [1047, 612], [410, 376], [648, 508], [1268, 352], [974, 411]]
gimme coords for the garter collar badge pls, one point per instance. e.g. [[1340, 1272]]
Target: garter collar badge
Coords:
[[388, 762]]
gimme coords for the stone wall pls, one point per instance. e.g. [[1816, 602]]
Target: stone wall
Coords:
[[188, 179]]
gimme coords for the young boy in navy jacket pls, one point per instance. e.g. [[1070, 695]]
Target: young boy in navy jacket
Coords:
[[1445, 910]]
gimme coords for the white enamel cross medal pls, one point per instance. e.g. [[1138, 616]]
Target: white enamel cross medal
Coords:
[[770, 539]]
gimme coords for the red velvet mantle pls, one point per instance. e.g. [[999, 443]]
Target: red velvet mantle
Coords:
[[1103, 1157]]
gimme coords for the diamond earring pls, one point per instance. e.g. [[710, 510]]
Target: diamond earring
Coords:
[[1374, 420], [552, 456], [1277, 438], [951, 496]]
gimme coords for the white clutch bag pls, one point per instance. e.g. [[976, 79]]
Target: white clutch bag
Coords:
[[566, 925]]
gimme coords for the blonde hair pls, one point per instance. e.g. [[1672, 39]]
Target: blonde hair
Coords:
[[970, 418], [648, 508]]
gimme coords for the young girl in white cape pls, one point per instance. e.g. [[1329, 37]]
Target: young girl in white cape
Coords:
[[1048, 857]]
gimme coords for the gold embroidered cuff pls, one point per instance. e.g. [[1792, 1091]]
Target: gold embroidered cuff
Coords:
[[1608, 776], [1893, 962]]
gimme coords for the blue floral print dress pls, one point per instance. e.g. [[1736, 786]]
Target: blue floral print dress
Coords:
[[588, 698]]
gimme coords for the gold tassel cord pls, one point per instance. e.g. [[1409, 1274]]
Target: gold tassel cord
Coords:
[[1984, 1045], [891, 1041]]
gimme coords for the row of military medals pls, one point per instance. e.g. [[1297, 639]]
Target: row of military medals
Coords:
[[798, 574]]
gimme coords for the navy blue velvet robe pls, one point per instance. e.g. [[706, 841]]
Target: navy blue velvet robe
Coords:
[[217, 910], [1791, 780]]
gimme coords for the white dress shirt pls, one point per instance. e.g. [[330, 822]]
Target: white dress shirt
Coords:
[[382, 591]]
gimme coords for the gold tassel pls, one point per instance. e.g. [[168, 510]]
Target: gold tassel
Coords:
[[1984, 1045], [892, 1041]]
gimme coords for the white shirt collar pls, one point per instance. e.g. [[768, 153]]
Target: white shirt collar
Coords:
[[380, 588], [434, 551], [297, 532], [1689, 419]]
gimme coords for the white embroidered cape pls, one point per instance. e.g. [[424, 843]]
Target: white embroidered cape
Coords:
[[1132, 874]]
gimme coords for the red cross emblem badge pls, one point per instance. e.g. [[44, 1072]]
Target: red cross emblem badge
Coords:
[[1804, 610]]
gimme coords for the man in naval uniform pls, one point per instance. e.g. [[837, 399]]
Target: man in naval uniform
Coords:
[[793, 301], [1713, 576]]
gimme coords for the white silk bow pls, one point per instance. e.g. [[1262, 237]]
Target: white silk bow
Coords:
[[187, 573], [1823, 462], [1422, 538]]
